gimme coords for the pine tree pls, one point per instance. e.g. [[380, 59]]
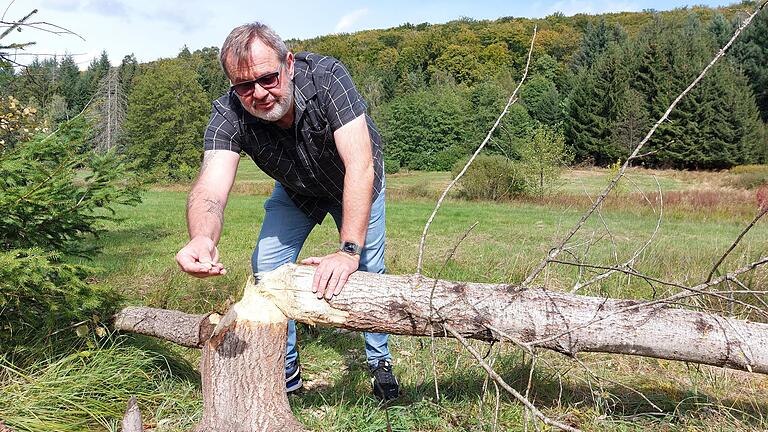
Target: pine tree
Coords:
[[632, 122], [127, 70], [210, 75], [39, 82], [596, 40], [751, 50], [69, 78], [594, 106], [90, 79]]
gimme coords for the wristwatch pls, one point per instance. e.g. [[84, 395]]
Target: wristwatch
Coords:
[[350, 248]]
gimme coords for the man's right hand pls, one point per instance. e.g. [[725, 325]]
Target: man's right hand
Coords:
[[200, 258]]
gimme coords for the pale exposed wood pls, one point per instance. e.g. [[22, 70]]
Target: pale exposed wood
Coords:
[[132, 418], [174, 326]]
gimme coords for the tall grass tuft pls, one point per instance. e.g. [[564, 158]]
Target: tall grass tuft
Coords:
[[85, 390]]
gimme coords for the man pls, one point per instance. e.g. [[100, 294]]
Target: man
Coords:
[[302, 121]]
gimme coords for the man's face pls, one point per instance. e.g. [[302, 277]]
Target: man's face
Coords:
[[270, 104]]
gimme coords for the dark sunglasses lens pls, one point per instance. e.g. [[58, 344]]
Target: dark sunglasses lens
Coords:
[[244, 89], [269, 81]]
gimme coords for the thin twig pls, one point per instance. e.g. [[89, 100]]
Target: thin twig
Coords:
[[512, 100], [528, 389], [757, 217], [41, 25], [497, 407], [500, 381], [633, 390], [2, 18], [557, 249], [631, 260], [432, 308]]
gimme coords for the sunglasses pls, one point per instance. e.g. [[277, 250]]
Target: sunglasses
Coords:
[[268, 81]]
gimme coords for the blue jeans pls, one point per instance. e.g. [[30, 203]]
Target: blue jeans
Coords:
[[283, 232]]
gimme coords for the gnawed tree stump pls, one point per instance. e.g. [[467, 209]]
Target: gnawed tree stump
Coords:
[[243, 370], [242, 365]]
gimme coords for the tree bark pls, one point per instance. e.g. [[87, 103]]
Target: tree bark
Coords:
[[565, 323], [187, 330], [243, 370]]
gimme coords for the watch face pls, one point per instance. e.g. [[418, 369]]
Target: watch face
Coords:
[[350, 248]]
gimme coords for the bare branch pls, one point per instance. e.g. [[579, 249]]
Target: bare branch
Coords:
[[15, 25], [757, 217], [690, 292], [631, 260], [38, 25], [500, 381], [555, 251], [512, 100]]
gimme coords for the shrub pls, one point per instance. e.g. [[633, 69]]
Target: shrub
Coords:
[[541, 158], [391, 166], [749, 176], [490, 177], [50, 194], [38, 294], [17, 123]]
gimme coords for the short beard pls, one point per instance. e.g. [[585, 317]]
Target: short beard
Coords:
[[280, 108]]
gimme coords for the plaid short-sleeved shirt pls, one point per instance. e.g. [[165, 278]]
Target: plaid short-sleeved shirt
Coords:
[[303, 159]]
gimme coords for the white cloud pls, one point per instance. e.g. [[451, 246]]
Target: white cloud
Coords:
[[112, 8], [348, 20], [62, 5]]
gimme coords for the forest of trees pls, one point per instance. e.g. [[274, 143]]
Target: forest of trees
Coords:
[[597, 83]]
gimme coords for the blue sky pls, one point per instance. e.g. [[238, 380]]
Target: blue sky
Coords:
[[152, 29]]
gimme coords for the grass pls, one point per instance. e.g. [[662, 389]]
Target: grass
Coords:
[[700, 222], [89, 388]]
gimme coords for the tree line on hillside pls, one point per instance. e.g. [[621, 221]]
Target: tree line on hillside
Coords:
[[596, 85]]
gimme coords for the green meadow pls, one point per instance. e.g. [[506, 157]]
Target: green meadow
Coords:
[[689, 231]]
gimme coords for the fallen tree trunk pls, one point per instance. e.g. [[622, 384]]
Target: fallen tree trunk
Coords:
[[562, 322], [242, 365]]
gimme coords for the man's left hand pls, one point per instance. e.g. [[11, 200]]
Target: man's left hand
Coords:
[[332, 272]]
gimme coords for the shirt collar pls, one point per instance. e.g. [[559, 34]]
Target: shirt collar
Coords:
[[303, 81]]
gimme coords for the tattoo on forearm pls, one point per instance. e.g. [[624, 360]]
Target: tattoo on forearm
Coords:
[[215, 208], [212, 206]]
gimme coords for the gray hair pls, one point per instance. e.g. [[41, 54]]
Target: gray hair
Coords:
[[238, 43]]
